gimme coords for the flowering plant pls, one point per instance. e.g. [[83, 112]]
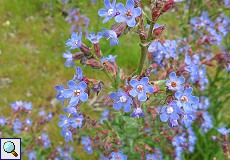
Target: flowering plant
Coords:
[[161, 87]]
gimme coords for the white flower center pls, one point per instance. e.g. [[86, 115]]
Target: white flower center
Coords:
[[184, 99], [123, 99], [185, 116], [117, 157], [140, 88], [65, 122], [169, 110], [75, 43], [128, 14], [77, 120], [173, 84], [77, 92], [110, 12]]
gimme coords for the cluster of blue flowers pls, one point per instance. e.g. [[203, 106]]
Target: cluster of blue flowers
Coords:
[[182, 107], [121, 13], [76, 94], [19, 125], [87, 144], [21, 106], [140, 90], [210, 31], [63, 152], [44, 140]]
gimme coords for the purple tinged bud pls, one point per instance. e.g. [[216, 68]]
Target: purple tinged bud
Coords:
[[119, 28], [78, 55], [85, 50], [94, 64]]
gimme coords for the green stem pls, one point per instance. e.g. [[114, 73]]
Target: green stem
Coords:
[[144, 49], [108, 75]]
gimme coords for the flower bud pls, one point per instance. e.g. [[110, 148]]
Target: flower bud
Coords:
[[156, 11], [158, 31], [110, 68], [97, 50], [168, 5], [119, 28], [85, 50], [78, 55], [94, 63]]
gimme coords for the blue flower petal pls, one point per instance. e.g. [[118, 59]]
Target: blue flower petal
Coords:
[[130, 4], [164, 117], [72, 85]]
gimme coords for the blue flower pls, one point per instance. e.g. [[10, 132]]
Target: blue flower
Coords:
[[42, 113], [178, 140], [170, 111], [156, 46], [77, 120], [223, 130], [207, 123], [151, 157], [108, 12], [174, 83], [121, 100], [102, 157], [226, 3], [45, 140], [75, 41], [117, 155], [191, 139], [85, 140], [28, 106], [128, 13], [111, 34], [186, 100], [94, 38], [140, 88], [2, 121], [172, 123], [69, 59], [79, 74], [158, 57], [187, 119], [75, 92], [66, 122], [67, 134], [137, 112], [60, 90], [17, 125], [110, 58], [170, 48], [49, 116], [31, 155], [29, 122], [88, 149], [69, 109], [105, 115], [18, 105]]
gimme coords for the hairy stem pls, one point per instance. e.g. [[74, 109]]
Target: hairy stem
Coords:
[[144, 49]]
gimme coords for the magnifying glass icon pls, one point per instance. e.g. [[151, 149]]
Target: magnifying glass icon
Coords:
[[9, 147]]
